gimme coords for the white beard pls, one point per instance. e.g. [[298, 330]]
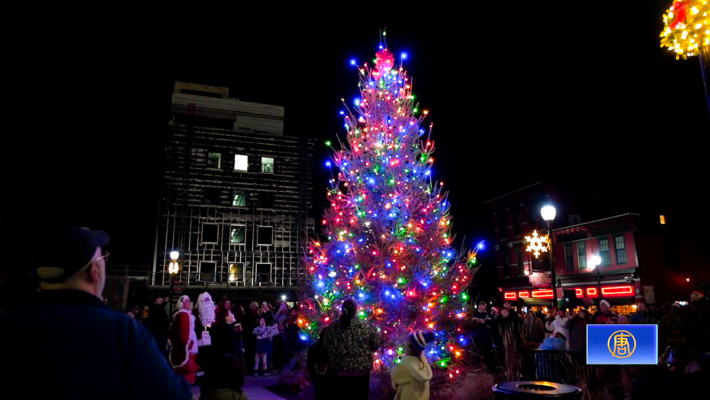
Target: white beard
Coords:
[[206, 309]]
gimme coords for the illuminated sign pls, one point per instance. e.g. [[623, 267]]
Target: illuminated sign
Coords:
[[592, 292], [524, 294], [626, 290], [542, 294], [622, 344], [579, 292], [509, 295]]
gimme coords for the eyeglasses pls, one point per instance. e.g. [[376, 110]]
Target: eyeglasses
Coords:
[[105, 256]]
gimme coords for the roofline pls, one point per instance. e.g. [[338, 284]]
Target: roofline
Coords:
[[514, 191], [591, 222]]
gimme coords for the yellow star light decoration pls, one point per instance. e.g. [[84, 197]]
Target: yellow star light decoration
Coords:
[[536, 243], [687, 28]]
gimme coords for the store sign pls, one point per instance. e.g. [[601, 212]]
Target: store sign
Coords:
[[537, 279]]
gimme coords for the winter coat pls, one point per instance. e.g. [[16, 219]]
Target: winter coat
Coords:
[[560, 325], [639, 318], [158, 321], [601, 318], [578, 333], [225, 340], [553, 343], [263, 340], [83, 350], [350, 349], [224, 394], [411, 378], [533, 330]]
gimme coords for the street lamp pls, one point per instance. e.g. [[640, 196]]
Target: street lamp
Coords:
[[548, 214], [173, 269], [595, 261]]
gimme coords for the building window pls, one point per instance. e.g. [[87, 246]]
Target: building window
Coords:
[[236, 272], [239, 198], [214, 160], [506, 263], [241, 163], [604, 252], [516, 220], [210, 233], [238, 234], [521, 260], [208, 271], [212, 196], [264, 236], [267, 200], [663, 219], [582, 254], [502, 223], [620, 249], [569, 257], [267, 165], [263, 270]]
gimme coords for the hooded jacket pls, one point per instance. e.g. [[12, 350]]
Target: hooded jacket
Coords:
[[411, 378]]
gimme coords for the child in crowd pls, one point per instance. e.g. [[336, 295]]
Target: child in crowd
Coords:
[[411, 377], [263, 347]]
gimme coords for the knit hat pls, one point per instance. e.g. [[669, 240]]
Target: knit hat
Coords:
[[419, 340], [604, 302]]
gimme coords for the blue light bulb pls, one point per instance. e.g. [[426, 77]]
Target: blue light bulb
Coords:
[[404, 56], [327, 163], [353, 62]]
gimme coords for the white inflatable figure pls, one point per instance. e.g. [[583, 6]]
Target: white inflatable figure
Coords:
[[205, 307]]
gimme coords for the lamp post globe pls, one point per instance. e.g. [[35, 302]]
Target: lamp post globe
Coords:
[[595, 261], [548, 213], [174, 255]]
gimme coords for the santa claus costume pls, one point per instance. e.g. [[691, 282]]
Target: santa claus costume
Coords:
[[183, 341], [205, 313]]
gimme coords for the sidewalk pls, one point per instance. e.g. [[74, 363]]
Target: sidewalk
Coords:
[[254, 387]]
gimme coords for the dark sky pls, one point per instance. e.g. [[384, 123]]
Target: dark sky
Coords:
[[517, 95]]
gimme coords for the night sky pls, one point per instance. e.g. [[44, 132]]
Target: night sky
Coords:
[[519, 95]]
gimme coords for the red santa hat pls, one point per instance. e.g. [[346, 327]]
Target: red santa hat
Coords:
[[496, 309]]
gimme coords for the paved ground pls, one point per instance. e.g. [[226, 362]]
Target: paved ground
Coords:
[[254, 387]]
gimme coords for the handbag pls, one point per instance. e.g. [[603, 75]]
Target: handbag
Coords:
[[318, 360]]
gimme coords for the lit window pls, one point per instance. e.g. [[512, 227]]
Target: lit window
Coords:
[[267, 165], [239, 198], [238, 234], [604, 252], [241, 163], [214, 160], [663, 219], [235, 272], [620, 247], [582, 254]]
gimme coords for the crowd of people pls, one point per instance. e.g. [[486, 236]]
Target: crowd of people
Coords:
[[83, 350]]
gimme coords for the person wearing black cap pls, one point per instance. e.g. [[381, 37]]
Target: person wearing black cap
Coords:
[[68, 344]]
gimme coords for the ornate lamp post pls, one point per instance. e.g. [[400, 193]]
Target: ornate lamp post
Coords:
[[548, 214], [173, 269]]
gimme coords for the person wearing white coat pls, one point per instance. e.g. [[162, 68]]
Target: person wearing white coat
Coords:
[[411, 376], [560, 325]]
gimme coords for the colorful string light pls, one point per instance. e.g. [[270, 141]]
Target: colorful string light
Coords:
[[388, 227], [687, 27]]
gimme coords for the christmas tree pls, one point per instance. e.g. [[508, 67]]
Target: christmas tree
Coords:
[[388, 228]]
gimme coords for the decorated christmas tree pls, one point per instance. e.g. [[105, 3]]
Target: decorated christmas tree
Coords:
[[388, 228]]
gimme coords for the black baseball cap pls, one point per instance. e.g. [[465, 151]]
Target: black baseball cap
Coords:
[[65, 250]]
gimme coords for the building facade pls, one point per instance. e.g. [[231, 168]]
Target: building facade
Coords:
[[236, 201], [516, 215]]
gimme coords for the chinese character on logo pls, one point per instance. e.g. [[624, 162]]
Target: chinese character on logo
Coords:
[[621, 347]]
